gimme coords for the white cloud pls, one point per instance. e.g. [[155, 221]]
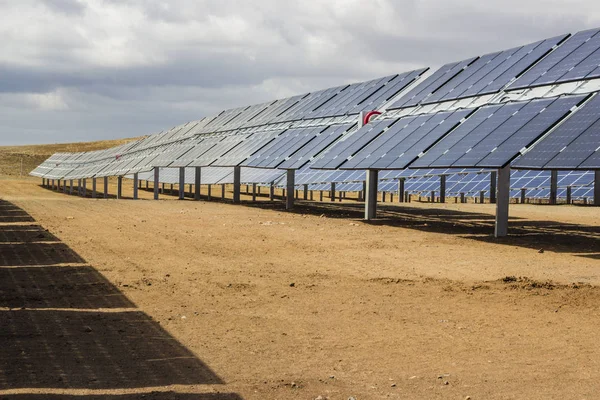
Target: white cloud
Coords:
[[128, 67]]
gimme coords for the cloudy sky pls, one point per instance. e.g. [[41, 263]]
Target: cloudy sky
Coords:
[[80, 70]]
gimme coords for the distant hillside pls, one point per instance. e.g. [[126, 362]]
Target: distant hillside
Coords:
[[32, 156]]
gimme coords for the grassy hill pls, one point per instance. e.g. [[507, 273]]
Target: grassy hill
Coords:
[[33, 155]]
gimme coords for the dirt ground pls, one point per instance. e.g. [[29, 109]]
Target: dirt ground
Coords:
[[249, 301]]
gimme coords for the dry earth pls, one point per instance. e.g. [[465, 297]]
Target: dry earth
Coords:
[[249, 301], [19, 160]]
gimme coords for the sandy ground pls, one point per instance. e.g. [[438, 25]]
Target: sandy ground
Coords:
[[268, 304]]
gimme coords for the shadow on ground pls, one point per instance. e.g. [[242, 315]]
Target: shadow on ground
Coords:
[[582, 240], [67, 327], [144, 396]]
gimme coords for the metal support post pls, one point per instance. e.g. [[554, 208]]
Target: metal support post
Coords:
[[94, 187], [208, 191], [253, 191], [503, 201], [197, 182], [569, 200], [401, 190], [272, 191], [156, 182], [371, 194], [84, 194], [553, 186], [332, 193], [443, 189], [493, 180], [523, 195], [597, 187], [305, 191], [223, 191], [181, 183], [136, 184], [237, 176], [364, 191], [291, 178], [119, 187], [106, 187]]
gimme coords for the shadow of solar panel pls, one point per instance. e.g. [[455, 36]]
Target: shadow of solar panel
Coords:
[[31, 233], [20, 254], [136, 396], [58, 287], [65, 349]]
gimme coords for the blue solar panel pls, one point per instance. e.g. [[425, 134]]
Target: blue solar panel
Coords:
[[470, 132], [318, 144], [512, 67], [510, 147], [346, 148], [556, 64], [559, 140], [584, 69], [474, 121], [431, 84], [454, 87], [399, 131], [511, 126], [405, 140], [407, 151], [579, 150]]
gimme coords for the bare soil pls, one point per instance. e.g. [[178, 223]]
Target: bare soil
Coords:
[[249, 301]]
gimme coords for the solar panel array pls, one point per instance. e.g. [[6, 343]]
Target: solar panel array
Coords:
[[467, 116]]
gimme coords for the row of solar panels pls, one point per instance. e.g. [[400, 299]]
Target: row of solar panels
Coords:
[[488, 137], [491, 136], [313, 130], [560, 59]]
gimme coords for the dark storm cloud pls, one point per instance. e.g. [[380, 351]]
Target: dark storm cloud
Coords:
[[83, 70]]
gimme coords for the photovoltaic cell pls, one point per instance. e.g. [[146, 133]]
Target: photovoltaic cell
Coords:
[[510, 147], [405, 140], [559, 62], [487, 144], [431, 84], [559, 140], [347, 147], [314, 147], [513, 64], [452, 88], [470, 132]]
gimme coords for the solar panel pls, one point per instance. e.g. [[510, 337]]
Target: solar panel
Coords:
[[469, 133], [248, 147], [564, 138], [552, 68], [405, 140], [506, 149], [313, 148], [349, 145], [431, 84]]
